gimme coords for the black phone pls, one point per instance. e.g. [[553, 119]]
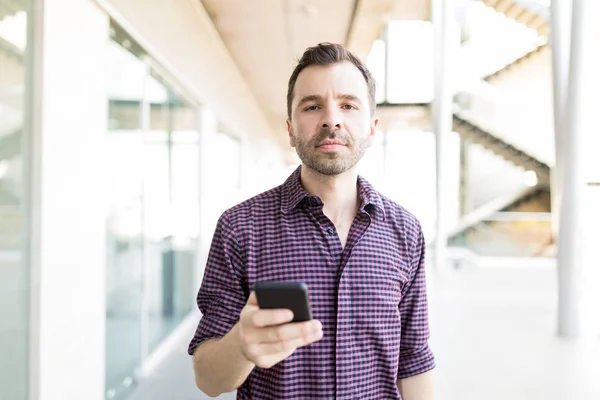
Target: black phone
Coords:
[[287, 295]]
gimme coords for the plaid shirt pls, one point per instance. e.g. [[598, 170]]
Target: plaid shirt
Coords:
[[370, 296]]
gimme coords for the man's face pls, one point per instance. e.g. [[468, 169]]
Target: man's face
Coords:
[[331, 125]]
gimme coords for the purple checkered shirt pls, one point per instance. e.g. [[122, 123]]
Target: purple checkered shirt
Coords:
[[370, 296]]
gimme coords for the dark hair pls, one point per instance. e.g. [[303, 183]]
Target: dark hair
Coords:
[[327, 54]]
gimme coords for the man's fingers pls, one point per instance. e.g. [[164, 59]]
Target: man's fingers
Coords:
[[301, 330], [257, 318], [289, 331], [263, 318], [283, 348]]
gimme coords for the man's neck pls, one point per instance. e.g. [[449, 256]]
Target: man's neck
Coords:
[[339, 193]]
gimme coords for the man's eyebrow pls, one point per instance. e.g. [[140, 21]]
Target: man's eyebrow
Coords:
[[316, 97], [309, 98], [350, 97]]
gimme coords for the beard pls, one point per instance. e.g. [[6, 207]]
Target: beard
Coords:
[[333, 162]]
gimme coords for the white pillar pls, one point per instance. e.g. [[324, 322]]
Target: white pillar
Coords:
[[572, 216], [443, 19], [68, 262], [560, 41]]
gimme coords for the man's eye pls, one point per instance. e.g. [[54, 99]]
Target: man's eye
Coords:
[[348, 107], [312, 108]]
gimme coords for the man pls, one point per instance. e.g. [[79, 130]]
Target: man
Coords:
[[361, 255]]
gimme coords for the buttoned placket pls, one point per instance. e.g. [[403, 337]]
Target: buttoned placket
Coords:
[[344, 388]]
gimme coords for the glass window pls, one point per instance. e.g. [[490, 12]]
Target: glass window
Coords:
[[153, 219], [410, 62], [171, 216], [126, 75], [14, 270]]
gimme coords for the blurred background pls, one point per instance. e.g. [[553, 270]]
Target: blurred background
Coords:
[[128, 126]]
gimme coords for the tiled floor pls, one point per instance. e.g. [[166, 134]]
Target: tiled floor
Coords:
[[493, 333]]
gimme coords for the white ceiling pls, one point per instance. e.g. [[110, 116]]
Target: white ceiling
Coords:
[[267, 37]]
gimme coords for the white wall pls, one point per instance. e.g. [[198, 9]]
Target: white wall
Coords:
[[68, 260]]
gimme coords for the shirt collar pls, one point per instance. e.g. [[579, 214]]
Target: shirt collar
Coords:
[[293, 193], [370, 197]]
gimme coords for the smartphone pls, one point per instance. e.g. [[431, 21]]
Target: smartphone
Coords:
[[288, 295]]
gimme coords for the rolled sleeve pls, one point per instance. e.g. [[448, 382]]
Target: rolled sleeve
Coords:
[[416, 356], [222, 295]]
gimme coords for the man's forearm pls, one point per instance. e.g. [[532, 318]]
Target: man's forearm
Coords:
[[219, 366], [418, 387]]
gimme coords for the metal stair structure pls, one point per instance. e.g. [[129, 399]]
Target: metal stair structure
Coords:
[[11, 65], [494, 230], [11, 7], [531, 13], [484, 138], [11, 105], [10, 145], [473, 226]]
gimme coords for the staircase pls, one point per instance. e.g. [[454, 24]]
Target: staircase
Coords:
[[518, 157], [520, 229], [10, 145], [479, 230], [11, 7], [531, 13]]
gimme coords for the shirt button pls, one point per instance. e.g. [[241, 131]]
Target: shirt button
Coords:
[[330, 231]]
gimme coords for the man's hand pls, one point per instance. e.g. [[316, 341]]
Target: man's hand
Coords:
[[265, 337]]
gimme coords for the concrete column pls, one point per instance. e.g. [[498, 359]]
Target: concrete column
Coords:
[[560, 42], [69, 203], [579, 119], [443, 19]]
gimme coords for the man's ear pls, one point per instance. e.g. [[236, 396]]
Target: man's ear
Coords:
[[290, 132], [373, 130]]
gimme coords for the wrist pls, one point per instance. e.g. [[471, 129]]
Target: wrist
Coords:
[[235, 341]]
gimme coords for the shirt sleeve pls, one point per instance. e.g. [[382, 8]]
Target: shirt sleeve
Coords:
[[222, 294], [416, 356]]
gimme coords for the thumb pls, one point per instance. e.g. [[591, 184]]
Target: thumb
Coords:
[[252, 299]]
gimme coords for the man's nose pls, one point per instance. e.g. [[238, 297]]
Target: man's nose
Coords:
[[331, 118]]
